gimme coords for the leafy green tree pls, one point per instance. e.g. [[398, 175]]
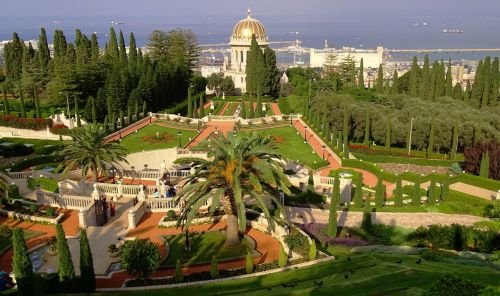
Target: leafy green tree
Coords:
[[454, 142], [202, 106], [282, 258], [90, 151], [195, 109], [457, 92], [258, 107], [367, 129], [179, 275], [141, 258], [312, 251], [249, 263], [448, 83], [21, 264], [388, 133], [214, 270], [413, 83], [239, 166], [331, 229], [189, 104], [358, 193], [87, 274], [64, 263]]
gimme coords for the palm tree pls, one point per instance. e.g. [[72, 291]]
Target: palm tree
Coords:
[[239, 168], [91, 152]]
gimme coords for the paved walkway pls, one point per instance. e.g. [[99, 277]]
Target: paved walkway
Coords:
[[212, 127], [268, 247], [474, 190], [223, 110], [275, 108], [352, 219], [129, 129]]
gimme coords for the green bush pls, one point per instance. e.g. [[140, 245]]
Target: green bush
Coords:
[[24, 164], [282, 258], [50, 212], [297, 242], [312, 251], [377, 158], [171, 215], [451, 285], [366, 223], [179, 276], [214, 270], [46, 150], [13, 191], [140, 258], [33, 209], [16, 149]]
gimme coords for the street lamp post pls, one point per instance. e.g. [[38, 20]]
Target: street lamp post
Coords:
[[179, 135], [291, 123], [409, 140], [305, 134], [323, 148]]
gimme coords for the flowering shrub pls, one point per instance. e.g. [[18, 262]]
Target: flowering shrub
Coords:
[[25, 123], [59, 129]]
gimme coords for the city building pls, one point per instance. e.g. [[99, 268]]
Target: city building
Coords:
[[372, 58]]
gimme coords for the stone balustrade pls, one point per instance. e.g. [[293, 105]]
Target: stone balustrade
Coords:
[[87, 216], [62, 201], [135, 214]]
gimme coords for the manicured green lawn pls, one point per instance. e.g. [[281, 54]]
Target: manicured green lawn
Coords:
[[44, 183], [145, 139], [367, 274], [292, 146], [6, 243], [36, 143], [231, 108], [203, 247]]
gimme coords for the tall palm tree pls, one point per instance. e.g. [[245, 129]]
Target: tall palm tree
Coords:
[[239, 167], [90, 151]]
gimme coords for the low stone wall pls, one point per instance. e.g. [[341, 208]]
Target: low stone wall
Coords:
[[11, 132], [204, 220], [39, 219], [135, 214]]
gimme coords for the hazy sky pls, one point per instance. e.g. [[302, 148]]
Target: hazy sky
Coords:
[[315, 8]]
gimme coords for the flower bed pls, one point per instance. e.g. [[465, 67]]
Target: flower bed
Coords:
[[40, 219], [24, 123], [60, 129]]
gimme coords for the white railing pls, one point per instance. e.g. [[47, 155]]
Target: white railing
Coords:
[[62, 201], [161, 204], [326, 180], [87, 216], [221, 117], [135, 214]]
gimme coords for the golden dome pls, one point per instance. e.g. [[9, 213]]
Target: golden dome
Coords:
[[244, 29]]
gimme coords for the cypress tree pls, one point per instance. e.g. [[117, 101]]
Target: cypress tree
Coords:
[[395, 83], [94, 112], [108, 106], [345, 132], [487, 79], [425, 84], [258, 108], [367, 128], [379, 87], [282, 258], [332, 217], [243, 111], [94, 49], [477, 86], [112, 49], [431, 198], [113, 122], [252, 110], [106, 123], [179, 275], [6, 107], [195, 109], [249, 263], [388, 133], [415, 200], [454, 142], [189, 104], [495, 81], [21, 98], [132, 56], [361, 79], [379, 193], [129, 115], [144, 109], [334, 137], [136, 110], [312, 251], [430, 146], [122, 50], [448, 82], [484, 169], [467, 92], [64, 263], [341, 143], [38, 112], [445, 188], [324, 126], [77, 114], [214, 270], [87, 275], [202, 106], [413, 81], [122, 119], [21, 264], [43, 50], [358, 193], [457, 92], [398, 193]]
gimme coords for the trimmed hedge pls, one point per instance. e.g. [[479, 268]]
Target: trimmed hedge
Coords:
[[376, 158], [25, 123], [16, 149], [24, 164]]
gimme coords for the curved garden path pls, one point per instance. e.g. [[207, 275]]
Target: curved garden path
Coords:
[[275, 108]]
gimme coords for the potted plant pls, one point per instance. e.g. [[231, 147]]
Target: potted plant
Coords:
[[113, 250], [52, 246]]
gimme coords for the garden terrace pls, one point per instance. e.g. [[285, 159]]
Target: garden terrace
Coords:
[[146, 138]]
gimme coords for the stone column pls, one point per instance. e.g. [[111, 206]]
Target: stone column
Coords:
[[95, 193], [141, 196], [120, 188]]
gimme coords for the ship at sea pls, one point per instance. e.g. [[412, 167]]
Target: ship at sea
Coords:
[[452, 31]]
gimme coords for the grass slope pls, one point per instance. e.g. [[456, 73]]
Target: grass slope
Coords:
[[145, 138]]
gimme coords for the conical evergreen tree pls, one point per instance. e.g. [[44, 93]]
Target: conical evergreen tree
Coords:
[[431, 198], [144, 109], [77, 114], [467, 92], [495, 81], [398, 193], [448, 83], [87, 275], [388, 133], [477, 86], [64, 263], [122, 50], [484, 169], [395, 83], [195, 109], [379, 193], [189, 104], [21, 265], [258, 108], [129, 115], [379, 86], [413, 81], [358, 193], [202, 105], [457, 92], [94, 111], [367, 129], [43, 51], [454, 142], [487, 79], [361, 79], [430, 146], [425, 84], [445, 188], [415, 200], [331, 229], [112, 50], [252, 110]]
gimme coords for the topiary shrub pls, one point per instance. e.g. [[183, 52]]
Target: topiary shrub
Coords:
[[33, 209], [366, 223], [171, 215], [249, 263], [13, 191], [50, 211], [4, 201], [312, 251], [140, 258], [16, 149], [21, 265]]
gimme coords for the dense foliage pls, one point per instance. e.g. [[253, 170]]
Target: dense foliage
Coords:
[[64, 263], [87, 274], [478, 153], [140, 258], [21, 264]]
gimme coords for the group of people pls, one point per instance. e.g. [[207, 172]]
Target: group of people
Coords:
[[170, 191]]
